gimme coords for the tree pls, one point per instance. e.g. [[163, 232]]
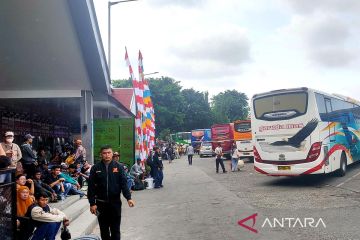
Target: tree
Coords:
[[165, 135], [122, 83], [197, 110], [229, 106], [168, 104]]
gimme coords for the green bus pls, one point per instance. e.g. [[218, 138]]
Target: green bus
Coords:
[[181, 137]]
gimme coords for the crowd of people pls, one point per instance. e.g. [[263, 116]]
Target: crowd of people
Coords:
[[43, 176]]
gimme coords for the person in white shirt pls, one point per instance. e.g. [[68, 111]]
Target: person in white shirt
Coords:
[[11, 149], [47, 220], [234, 157], [136, 170], [190, 153], [80, 154], [219, 160]]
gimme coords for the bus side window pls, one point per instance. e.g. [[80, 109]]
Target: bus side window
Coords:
[[329, 110], [328, 105]]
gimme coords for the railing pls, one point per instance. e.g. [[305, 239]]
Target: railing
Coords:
[[7, 204]]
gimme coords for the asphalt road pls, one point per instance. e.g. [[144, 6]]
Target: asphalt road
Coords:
[[197, 203], [336, 200]]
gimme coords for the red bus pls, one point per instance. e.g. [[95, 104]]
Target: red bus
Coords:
[[223, 134]]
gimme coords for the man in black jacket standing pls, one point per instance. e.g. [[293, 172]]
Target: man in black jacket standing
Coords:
[[106, 182], [158, 167], [28, 156]]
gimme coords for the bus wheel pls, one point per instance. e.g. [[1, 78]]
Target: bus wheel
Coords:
[[342, 170]]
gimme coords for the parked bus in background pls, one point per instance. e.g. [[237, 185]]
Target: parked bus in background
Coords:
[[201, 141], [200, 135], [181, 138], [243, 139], [223, 134], [303, 131]]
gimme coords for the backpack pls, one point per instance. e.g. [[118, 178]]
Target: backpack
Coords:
[[138, 186], [4, 162]]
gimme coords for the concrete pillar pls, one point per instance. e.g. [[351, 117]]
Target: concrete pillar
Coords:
[[86, 121]]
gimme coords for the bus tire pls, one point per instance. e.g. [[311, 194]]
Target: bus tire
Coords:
[[342, 170]]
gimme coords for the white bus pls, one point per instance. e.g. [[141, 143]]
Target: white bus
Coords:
[[303, 131]]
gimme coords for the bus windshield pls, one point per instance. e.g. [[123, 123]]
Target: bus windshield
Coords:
[[281, 106], [184, 135], [242, 127]]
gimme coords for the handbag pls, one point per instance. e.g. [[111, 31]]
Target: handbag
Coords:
[[65, 233], [241, 163]]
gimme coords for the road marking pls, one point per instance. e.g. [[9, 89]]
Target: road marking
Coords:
[[347, 180]]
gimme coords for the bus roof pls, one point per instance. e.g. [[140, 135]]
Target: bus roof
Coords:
[[280, 91], [241, 121], [338, 96]]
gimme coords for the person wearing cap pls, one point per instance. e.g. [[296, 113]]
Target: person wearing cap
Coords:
[[11, 149], [28, 155], [116, 156], [80, 154]]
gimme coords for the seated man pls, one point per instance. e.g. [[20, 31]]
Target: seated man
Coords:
[[75, 186], [85, 171], [129, 178], [136, 170], [138, 175], [46, 219], [57, 183], [40, 186]]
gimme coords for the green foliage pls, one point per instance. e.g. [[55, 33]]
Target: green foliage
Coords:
[[165, 135], [229, 106], [168, 104], [121, 83], [197, 110], [178, 110]]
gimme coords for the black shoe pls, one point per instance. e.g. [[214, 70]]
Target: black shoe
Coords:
[[224, 171]]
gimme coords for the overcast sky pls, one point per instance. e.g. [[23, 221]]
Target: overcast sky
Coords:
[[249, 45]]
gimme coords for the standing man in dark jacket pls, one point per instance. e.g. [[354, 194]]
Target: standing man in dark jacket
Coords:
[[28, 156], [158, 167], [106, 182]]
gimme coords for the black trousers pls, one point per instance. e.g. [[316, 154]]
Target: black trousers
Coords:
[[219, 161], [190, 156], [109, 220]]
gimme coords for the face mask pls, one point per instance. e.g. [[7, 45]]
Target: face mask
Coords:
[[9, 140]]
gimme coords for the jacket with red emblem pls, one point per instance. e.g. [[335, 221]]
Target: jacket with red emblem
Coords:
[[107, 183]]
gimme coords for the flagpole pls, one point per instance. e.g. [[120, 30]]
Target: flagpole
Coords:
[[109, 29]]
